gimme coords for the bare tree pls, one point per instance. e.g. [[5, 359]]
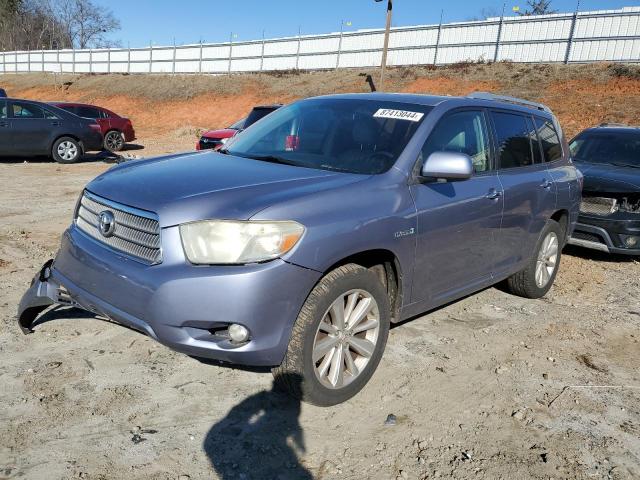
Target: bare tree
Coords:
[[86, 24], [52, 24], [538, 7]]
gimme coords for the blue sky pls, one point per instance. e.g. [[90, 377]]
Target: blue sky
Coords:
[[189, 21]]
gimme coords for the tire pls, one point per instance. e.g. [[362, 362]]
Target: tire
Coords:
[[535, 280], [66, 150], [299, 374], [113, 141]]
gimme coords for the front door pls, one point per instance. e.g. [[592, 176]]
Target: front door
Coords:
[[31, 130], [6, 141], [458, 221]]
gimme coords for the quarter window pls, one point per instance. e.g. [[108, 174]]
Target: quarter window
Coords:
[[87, 112], [26, 110], [549, 139], [463, 132], [515, 138], [3, 109]]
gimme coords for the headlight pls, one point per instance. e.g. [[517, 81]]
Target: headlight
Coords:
[[224, 140], [234, 242]]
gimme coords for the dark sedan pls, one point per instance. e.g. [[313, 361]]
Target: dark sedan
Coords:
[[29, 128], [609, 158]]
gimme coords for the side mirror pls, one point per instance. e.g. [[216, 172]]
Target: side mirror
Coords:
[[448, 165]]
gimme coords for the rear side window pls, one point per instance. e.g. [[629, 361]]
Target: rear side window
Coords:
[[463, 132], [549, 139], [3, 109], [87, 112], [26, 110], [515, 139], [48, 114]]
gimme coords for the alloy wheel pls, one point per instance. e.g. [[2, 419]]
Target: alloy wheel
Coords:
[[547, 259], [114, 141], [346, 338]]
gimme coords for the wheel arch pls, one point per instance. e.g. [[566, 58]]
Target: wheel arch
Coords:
[[69, 135], [562, 217], [385, 264]]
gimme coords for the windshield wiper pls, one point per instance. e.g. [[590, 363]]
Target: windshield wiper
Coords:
[[630, 165], [269, 158]]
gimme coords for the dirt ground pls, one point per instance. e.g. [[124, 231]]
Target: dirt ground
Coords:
[[492, 386]]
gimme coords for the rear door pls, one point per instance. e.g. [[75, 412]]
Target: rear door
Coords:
[[31, 130], [6, 143], [529, 190], [458, 221]]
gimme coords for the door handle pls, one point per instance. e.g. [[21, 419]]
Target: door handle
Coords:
[[546, 184], [493, 194], [55, 124]]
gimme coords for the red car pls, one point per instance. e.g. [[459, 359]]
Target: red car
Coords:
[[215, 139], [116, 130]]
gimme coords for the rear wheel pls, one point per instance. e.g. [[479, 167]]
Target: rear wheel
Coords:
[[66, 150], [114, 141], [338, 338], [538, 276]]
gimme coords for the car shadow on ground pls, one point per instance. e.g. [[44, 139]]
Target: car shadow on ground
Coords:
[[597, 255], [259, 438]]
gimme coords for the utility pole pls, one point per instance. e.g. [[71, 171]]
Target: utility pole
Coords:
[[386, 42]]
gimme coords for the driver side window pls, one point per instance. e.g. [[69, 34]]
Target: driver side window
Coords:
[[462, 132]]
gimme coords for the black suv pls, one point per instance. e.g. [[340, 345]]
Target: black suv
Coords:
[[609, 158], [29, 128]]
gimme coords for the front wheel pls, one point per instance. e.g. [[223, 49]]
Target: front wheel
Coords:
[[338, 338], [66, 150], [537, 277]]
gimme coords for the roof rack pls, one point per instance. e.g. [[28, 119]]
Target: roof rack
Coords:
[[507, 99]]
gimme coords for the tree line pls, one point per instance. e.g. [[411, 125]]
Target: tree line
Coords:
[[54, 24]]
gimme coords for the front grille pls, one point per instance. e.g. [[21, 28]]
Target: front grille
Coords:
[[206, 143], [600, 206], [136, 233]]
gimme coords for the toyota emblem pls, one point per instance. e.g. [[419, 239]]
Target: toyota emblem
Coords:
[[107, 223]]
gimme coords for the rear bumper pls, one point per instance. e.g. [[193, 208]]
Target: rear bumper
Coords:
[[180, 305], [606, 234]]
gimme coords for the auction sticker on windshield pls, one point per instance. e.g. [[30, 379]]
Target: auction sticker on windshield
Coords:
[[399, 114]]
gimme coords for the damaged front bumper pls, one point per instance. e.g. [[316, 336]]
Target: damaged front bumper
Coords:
[[608, 234], [40, 295]]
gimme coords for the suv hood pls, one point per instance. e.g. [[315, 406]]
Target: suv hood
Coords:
[[189, 187], [609, 178]]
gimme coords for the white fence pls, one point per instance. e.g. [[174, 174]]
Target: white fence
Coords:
[[604, 35]]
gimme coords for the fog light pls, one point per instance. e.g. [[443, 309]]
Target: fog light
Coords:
[[631, 240], [238, 333]]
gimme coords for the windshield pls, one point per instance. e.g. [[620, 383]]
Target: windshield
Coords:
[[612, 148], [346, 135]]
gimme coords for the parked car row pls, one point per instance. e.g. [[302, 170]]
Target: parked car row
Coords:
[[60, 130]]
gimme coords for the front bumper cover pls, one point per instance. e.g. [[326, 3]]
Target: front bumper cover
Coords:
[[183, 307], [604, 233]]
